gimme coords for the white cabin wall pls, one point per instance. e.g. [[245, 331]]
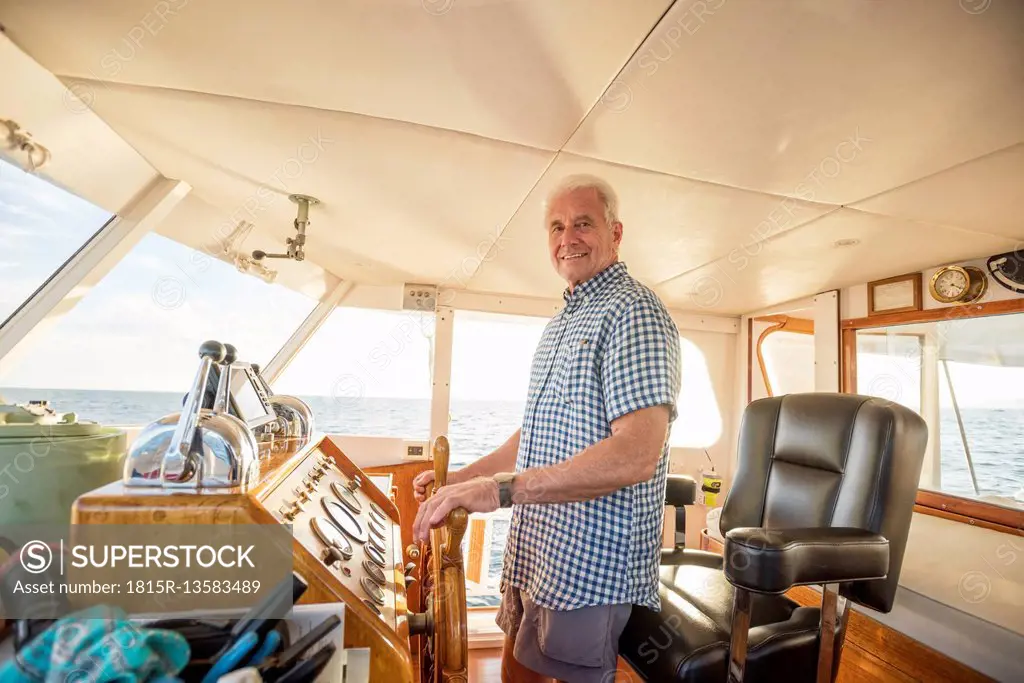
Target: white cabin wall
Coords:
[[826, 342]]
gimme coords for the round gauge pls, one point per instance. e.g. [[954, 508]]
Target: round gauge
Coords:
[[373, 590], [374, 572], [331, 535], [375, 509], [376, 528], [373, 608], [958, 285], [376, 543], [376, 556], [345, 520], [346, 497]]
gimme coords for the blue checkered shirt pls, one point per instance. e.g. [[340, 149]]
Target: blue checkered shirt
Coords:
[[613, 349]]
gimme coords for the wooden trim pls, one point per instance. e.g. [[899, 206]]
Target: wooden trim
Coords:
[[776, 318], [848, 359], [937, 314], [973, 521], [915, 278], [760, 356], [973, 512], [475, 558], [750, 360], [798, 325]]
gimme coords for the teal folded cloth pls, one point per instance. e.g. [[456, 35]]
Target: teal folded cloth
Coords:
[[98, 645]]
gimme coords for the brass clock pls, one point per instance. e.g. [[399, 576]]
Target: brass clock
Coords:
[[958, 284]]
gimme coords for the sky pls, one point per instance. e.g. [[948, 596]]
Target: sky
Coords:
[[141, 326]]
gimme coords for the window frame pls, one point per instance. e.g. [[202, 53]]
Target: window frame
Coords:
[[783, 323], [937, 503]]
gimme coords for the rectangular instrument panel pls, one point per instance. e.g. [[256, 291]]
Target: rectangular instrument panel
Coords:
[[334, 518]]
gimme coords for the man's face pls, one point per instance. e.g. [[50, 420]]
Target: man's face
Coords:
[[580, 241]]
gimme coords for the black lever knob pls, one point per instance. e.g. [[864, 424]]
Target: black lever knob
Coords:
[[213, 350], [332, 556], [230, 355]]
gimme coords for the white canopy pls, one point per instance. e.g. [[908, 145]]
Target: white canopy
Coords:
[[763, 151]]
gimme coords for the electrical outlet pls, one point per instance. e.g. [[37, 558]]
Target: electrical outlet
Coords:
[[419, 298], [415, 450]]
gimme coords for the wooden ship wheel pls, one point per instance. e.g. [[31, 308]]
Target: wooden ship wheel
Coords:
[[444, 655]]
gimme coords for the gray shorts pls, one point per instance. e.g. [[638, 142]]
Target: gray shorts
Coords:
[[577, 646]]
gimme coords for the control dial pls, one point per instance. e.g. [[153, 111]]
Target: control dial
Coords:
[[346, 496]]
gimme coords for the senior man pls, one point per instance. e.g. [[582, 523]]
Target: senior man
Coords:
[[585, 473]]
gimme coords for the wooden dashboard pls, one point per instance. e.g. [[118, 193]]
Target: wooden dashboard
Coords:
[[347, 537]]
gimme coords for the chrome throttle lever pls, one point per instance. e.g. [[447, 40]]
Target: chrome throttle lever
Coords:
[[179, 465]]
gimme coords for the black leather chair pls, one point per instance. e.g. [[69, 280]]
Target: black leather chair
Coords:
[[823, 493]]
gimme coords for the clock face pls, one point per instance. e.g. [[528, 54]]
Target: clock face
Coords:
[[951, 284]]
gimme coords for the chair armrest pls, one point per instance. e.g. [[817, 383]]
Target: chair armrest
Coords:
[[775, 560], [680, 490], [690, 556]]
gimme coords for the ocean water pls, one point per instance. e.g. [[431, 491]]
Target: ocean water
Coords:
[[996, 437]]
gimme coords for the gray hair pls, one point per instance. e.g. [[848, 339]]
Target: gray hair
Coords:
[[583, 181]]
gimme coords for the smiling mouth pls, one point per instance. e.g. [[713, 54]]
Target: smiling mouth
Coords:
[[570, 257]]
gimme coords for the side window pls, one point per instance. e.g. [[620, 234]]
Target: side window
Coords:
[[788, 359], [367, 372], [889, 367], [491, 359], [965, 377], [127, 353], [699, 424], [41, 227]]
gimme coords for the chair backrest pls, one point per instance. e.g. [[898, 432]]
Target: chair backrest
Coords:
[[830, 460]]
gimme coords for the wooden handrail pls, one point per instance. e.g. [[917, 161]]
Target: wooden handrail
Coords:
[[782, 324]]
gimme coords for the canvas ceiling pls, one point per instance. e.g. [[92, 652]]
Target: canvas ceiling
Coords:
[[745, 138]]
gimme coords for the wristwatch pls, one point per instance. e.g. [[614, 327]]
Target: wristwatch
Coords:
[[504, 481]]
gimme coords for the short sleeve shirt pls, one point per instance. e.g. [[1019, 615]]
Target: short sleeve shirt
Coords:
[[613, 349]]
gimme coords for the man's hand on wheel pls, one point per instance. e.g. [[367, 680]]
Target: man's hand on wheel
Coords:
[[476, 495], [424, 480], [421, 483]]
